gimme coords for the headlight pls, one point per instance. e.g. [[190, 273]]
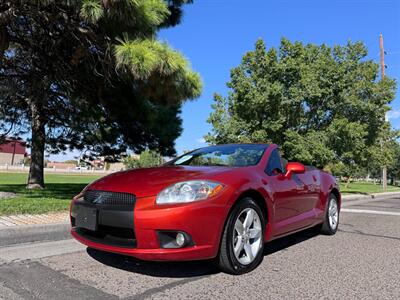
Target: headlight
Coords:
[[189, 191]]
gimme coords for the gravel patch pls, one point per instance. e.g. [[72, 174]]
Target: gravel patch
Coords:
[[6, 195]]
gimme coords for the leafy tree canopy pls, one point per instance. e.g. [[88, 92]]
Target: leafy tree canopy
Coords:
[[321, 104], [146, 159], [394, 170], [91, 75]]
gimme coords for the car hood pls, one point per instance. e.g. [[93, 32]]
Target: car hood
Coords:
[[150, 181]]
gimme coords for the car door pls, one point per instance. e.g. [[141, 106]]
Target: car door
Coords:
[[291, 196], [284, 194], [311, 181]]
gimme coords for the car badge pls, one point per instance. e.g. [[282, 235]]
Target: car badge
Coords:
[[99, 199]]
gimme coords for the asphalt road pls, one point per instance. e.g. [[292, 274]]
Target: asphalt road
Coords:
[[362, 261]]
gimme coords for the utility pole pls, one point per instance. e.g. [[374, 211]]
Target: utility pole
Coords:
[[382, 61], [382, 55]]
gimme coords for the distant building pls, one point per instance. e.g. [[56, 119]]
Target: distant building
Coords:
[[115, 167], [12, 152], [60, 165], [98, 164], [101, 164]]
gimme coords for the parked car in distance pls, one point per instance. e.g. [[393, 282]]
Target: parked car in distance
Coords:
[[79, 168], [219, 202]]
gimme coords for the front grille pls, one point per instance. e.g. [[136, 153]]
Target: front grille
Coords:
[[105, 217], [109, 235], [109, 198]]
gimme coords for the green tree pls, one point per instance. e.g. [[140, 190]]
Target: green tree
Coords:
[[385, 151], [91, 75], [146, 159], [321, 104], [131, 162], [394, 169]]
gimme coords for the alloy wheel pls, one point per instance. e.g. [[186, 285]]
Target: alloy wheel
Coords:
[[333, 214], [247, 236]]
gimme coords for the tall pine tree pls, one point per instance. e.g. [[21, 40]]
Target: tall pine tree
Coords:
[[91, 75]]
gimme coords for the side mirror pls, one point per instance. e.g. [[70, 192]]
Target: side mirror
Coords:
[[294, 168]]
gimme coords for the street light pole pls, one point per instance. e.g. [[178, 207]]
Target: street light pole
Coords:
[[382, 62]]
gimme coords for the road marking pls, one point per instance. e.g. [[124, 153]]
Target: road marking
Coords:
[[367, 211], [38, 250]]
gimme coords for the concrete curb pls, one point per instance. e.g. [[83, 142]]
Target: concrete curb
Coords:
[[377, 196], [33, 233], [12, 235]]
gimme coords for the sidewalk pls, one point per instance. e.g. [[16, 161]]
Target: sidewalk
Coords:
[[50, 218], [352, 197]]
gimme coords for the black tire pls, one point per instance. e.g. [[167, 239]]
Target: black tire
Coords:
[[226, 259], [326, 227]]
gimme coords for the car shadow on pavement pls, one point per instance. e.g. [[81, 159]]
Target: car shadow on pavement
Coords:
[[188, 268], [154, 268], [283, 243]]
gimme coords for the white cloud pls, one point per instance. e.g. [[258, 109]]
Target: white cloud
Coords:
[[201, 140], [392, 114]]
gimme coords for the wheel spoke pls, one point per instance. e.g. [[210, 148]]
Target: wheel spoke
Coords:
[[249, 253], [249, 219], [239, 227], [255, 233], [238, 247]]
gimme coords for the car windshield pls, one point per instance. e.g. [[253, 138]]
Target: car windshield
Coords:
[[241, 155]]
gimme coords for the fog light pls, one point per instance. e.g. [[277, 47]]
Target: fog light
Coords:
[[180, 239], [174, 239]]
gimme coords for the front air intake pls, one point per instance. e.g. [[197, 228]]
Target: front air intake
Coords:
[[109, 198]]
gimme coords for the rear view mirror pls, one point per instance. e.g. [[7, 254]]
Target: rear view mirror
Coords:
[[294, 168]]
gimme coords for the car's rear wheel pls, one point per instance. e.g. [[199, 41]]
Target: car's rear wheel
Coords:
[[242, 243], [331, 221]]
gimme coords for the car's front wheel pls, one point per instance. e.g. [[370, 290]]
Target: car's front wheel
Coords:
[[242, 242], [331, 221]]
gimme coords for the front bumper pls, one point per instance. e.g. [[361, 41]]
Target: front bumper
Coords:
[[203, 221]]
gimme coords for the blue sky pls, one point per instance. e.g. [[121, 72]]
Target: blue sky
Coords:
[[215, 34]]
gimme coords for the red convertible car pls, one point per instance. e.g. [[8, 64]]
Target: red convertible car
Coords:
[[222, 202]]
